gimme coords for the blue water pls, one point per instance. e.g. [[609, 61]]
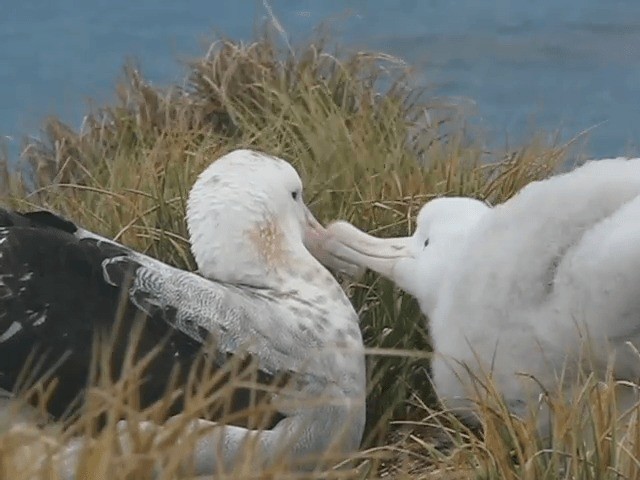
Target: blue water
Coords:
[[522, 65]]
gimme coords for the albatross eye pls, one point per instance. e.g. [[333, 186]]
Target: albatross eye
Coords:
[[426, 242], [294, 194]]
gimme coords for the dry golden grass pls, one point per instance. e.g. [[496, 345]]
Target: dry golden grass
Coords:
[[371, 150]]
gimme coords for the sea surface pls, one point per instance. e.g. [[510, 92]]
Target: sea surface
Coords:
[[521, 66]]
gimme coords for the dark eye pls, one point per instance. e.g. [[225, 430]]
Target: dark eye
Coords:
[[426, 242], [294, 195]]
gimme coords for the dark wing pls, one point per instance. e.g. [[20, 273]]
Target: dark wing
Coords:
[[36, 219], [54, 301]]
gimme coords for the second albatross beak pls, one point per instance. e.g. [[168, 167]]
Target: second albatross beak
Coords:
[[355, 247], [318, 240]]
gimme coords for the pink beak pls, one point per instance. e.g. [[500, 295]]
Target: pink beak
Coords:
[[326, 249]]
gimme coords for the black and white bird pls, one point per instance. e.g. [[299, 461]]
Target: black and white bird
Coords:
[[260, 289]]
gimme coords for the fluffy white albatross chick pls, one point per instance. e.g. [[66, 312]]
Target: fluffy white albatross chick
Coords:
[[512, 290]]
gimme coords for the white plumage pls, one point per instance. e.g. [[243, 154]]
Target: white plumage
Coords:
[[260, 291], [514, 289]]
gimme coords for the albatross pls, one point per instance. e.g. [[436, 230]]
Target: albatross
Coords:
[[260, 290], [512, 291]]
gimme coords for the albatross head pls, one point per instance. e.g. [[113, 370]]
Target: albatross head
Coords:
[[417, 264], [248, 222]]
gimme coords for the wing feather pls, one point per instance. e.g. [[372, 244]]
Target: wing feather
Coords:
[[59, 290]]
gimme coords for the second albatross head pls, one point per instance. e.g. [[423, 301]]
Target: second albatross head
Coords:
[[248, 223], [417, 264]]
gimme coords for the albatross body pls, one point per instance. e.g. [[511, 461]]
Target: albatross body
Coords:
[[512, 291], [259, 291]]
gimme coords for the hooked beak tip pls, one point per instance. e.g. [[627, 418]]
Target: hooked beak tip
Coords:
[[321, 244]]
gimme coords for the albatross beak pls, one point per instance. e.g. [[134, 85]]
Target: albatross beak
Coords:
[[318, 241], [356, 247]]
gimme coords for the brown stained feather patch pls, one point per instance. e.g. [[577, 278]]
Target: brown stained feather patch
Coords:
[[268, 240]]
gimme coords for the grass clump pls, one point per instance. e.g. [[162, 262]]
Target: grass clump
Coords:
[[371, 149]]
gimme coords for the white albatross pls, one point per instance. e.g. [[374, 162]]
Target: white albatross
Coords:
[[510, 291], [259, 291]]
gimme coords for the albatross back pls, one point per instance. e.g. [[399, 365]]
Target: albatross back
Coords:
[[60, 289]]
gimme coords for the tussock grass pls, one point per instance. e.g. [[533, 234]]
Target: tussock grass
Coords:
[[589, 439], [371, 149]]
